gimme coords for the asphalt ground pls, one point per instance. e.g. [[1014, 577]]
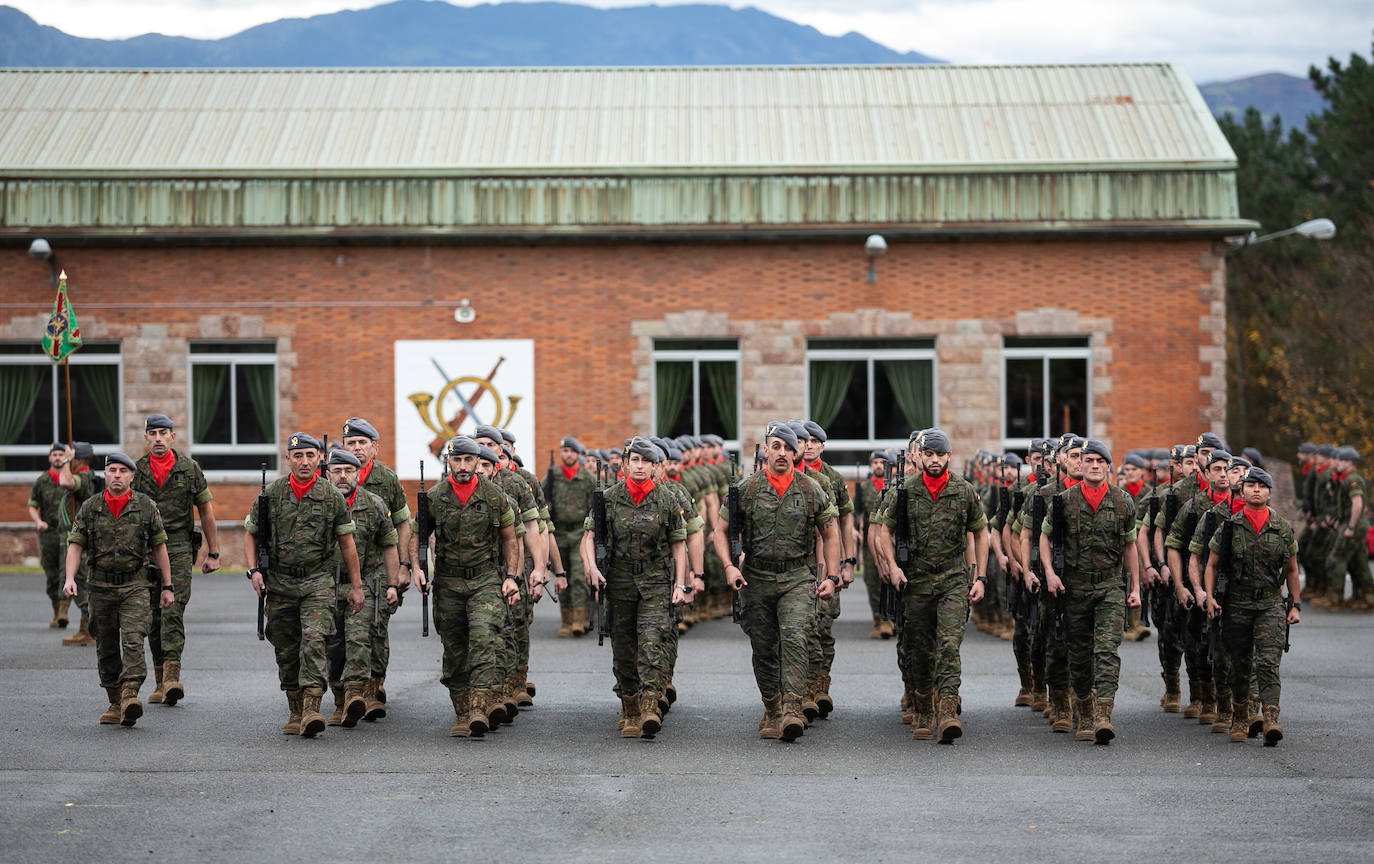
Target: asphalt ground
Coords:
[[212, 779]]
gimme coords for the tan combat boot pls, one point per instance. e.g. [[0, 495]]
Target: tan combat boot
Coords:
[[1061, 711], [172, 686], [824, 701], [82, 636], [1083, 718], [1208, 710], [476, 713], [923, 716], [336, 718], [53, 622], [1223, 721], [877, 631], [1023, 696], [948, 718], [908, 706], [629, 717], [506, 692], [1255, 716], [63, 606], [1040, 693], [459, 729], [112, 714], [158, 694], [1273, 732], [770, 727], [793, 720], [1103, 730], [355, 704], [489, 700], [130, 708], [1194, 700], [580, 620], [381, 689], [888, 632], [650, 720], [293, 720], [1172, 698], [566, 617], [810, 710], [1135, 631], [670, 692], [374, 708], [1240, 728], [523, 674], [312, 721]]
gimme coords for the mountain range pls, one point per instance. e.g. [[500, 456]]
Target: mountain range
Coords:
[[430, 33]]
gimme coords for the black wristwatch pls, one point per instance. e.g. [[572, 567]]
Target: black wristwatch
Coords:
[[982, 579], [851, 560], [833, 578], [1297, 606], [406, 564], [513, 577], [251, 571], [560, 575], [169, 588], [212, 555]]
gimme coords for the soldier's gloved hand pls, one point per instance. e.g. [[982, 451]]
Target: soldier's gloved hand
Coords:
[[1133, 599], [510, 589], [355, 599], [734, 577]]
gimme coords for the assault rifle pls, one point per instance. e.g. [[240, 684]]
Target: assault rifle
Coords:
[[734, 528], [597, 600], [1287, 605], [264, 546], [423, 527], [1148, 594], [1219, 590], [548, 487]]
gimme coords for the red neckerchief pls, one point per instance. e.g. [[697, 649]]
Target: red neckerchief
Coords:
[[814, 466], [1031, 477], [1321, 468], [510, 465], [674, 475], [639, 491], [1237, 502], [935, 487], [1339, 478], [879, 483], [352, 497], [463, 490], [1257, 518], [1306, 468], [1216, 497], [54, 474], [161, 466], [82, 468], [116, 505], [1094, 496], [780, 484], [569, 473], [300, 489], [364, 471], [1134, 488], [1070, 482]]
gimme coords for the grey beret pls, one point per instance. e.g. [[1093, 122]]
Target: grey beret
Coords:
[[1219, 456], [1160, 454], [508, 435], [82, 450], [157, 421], [1255, 457], [303, 441], [1179, 452], [1307, 447], [645, 448], [799, 429], [1239, 461], [488, 432], [674, 454], [713, 440], [574, 445], [1071, 442], [1135, 460], [1092, 445], [1066, 438], [933, 439], [343, 457], [486, 454], [357, 426], [895, 456], [57, 447], [1348, 453], [519, 463], [121, 459], [1036, 444], [814, 430], [462, 445], [1258, 475], [878, 454], [783, 432], [1210, 439], [1013, 459], [1326, 450], [685, 442]]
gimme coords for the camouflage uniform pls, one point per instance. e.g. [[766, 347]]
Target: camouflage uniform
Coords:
[[468, 606], [1348, 554], [870, 495], [181, 491], [1095, 599], [381, 481], [1168, 616], [115, 550], [1254, 620], [571, 501], [935, 599], [1323, 501], [692, 524], [350, 646], [779, 541], [821, 651], [1191, 620], [515, 632], [50, 500], [1200, 545], [1049, 653], [300, 577]]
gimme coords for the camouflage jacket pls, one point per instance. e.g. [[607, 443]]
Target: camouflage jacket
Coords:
[[571, 502], [373, 532], [537, 491], [1207, 526], [117, 547], [50, 500], [182, 490], [1094, 540], [383, 482], [1257, 561], [639, 536], [304, 533], [468, 536], [937, 528], [1347, 487], [778, 529], [527, 508], [692, 521], [839, 489]]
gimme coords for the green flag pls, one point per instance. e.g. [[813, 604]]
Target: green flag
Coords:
[[62, 336]]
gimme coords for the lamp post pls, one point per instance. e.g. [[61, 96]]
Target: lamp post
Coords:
[[41, 250], [874, 246]]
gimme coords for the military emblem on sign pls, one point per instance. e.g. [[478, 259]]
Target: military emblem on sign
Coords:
[[461, 399]]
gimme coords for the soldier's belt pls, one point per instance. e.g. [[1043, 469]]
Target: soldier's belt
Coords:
[[112, 577], [922, 567], [291, 571], [776, 565], [486, 568], [1074, 579], [1253, 595]]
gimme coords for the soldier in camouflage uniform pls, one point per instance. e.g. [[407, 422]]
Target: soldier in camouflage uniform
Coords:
[[937, 582], [1322, 502], [868, 495], [51, 510], [1134, 471], [350, 647], [783, 511], [119, 530], [362, 440], [1023, 603], [532, 589], [1258, 551], [177, 484], [1347, 552], [1097, 526], [694, 525], [474, 534], [1170, 616], [308, 519], [571, 486], [646, 576]]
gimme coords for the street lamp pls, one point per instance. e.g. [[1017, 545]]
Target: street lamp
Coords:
[[875, 245], [41, 250], [1317, 229]]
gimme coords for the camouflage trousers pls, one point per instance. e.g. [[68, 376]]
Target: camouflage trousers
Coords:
[[349, 648], [714, 575], [52, 554], [578, 594], [1348, 555], [515, 630], [1195, 657], [379, 637], [1049, 653], [778, 609], [1093, 620], [643, 631], [1168, 618], [934, 616], [820, 648], [167, 636], [469, 616], [872, 584], [1313, 546], [120, 620], [300, 618], [1253, 637]]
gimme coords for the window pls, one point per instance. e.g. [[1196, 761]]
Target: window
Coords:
[[869, 393], [1047, 386], [233, 405], [33, 402], [696, 388]]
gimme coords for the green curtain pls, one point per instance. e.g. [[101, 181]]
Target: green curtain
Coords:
[[102, 383], [258, 381], [18, 390], [911, 384], [674, 380], [720, 376], [207, 392], [829, 382]]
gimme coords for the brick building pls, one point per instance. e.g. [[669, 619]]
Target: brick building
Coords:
[[664, 250]]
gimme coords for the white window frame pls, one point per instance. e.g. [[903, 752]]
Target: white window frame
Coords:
[[1045, 355], [209, 358], [869, 356], [696, 358], [76, 358]]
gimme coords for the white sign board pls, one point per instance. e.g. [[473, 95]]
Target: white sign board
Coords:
[[446, 387]]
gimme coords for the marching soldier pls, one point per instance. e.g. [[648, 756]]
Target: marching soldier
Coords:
[[1347, 552], [308, 519], [1134, 470], [119, 530], [570, 500], [1023, 607], [51, 511], [945, 527], [1323, 500], [474, 533], [351, 648], [1169, 615], [783, 511], [695, 526], [870, 494], [176, 483]]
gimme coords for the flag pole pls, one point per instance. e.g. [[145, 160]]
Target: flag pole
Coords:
[[67, 382]]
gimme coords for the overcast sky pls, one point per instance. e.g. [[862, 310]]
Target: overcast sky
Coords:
[[1215, 39]]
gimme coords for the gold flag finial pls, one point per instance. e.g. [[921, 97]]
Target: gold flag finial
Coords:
[[62, 277]]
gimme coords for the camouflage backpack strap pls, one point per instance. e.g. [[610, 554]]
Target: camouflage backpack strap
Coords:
[[1122, 501]]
